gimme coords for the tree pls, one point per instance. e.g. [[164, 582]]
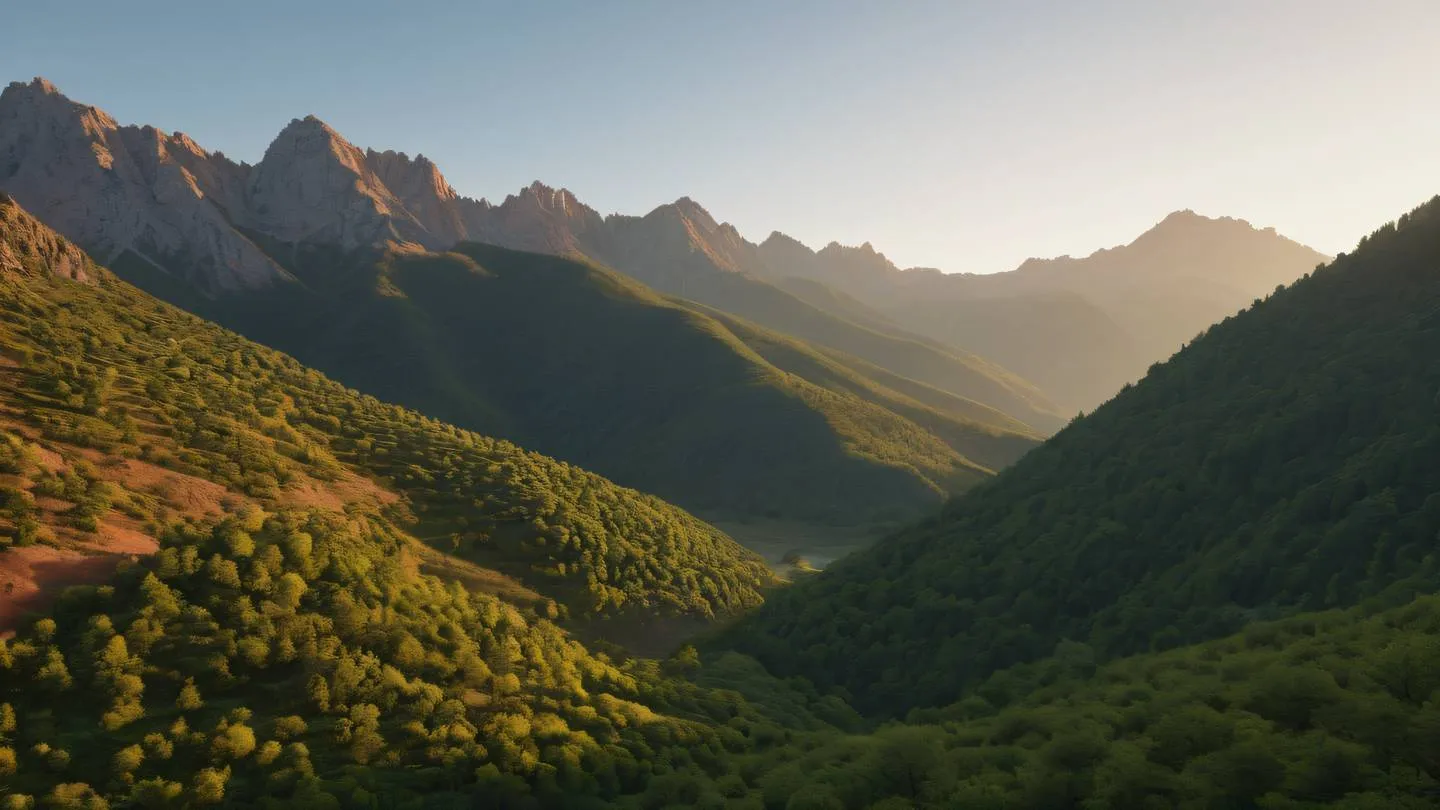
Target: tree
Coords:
[[318, 692], [156, 794], [208, 786], [235, 741], [907, 759], [75, 796], [126, 761], [189, 699]]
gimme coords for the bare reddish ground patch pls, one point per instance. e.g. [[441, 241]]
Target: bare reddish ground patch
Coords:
[[353, 487], [49, 460], [30, 577], [191, 496], [121, 534]]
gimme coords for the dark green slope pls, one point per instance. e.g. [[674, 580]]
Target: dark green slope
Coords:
[[1333, 709], [979, 433], [920, 359], [584, 364], [1289, 459]]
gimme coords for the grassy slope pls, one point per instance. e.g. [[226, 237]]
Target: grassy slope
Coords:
[[981, 434]]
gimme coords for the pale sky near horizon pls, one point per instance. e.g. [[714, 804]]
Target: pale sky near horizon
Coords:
[[961, 135]]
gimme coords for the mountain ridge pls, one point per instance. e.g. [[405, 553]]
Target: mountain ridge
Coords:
[[1079, 328]]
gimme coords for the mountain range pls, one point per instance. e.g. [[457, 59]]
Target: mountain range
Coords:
[[1077, 328], [343, 258], [228, 579], [1038, 343]]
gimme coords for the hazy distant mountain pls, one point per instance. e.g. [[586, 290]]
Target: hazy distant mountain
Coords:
[[340, 263], [1078, 328]]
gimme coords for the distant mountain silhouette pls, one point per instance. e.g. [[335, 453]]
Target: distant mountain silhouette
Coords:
[[1077, 328]]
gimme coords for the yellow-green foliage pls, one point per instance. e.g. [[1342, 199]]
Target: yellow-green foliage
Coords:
[[109, 368], [420, 679]]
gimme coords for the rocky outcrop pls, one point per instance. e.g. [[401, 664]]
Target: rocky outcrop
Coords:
[[418, 186], [29, 248], [544, 220]]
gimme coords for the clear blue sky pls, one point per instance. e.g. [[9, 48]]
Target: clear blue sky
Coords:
[[963, 135]]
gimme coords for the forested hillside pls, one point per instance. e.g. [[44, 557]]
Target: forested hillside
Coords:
[[104, 374], [584, 364], [1284, 461], [253, 620], [1334, 709], [288, 594]]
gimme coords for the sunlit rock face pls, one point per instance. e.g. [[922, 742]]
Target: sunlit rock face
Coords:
[[115, 189], [161, 199]]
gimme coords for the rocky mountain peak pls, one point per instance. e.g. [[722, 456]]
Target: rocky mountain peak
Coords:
[[309, 138], [314, 185], [39, 84], [546, 198], [124, 192], [408, 178], [778, 240], [38, 106], [863, 256], [695, 213]]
